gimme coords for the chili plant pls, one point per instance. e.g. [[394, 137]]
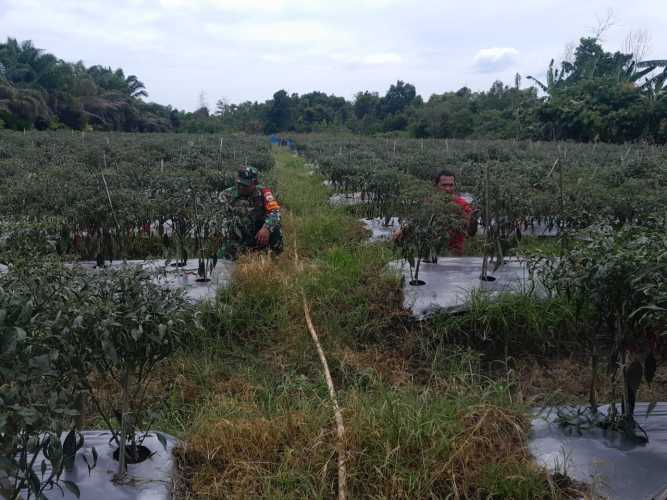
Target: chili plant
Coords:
[[36, 403], [124, 327], [427, 220], [618, 274]]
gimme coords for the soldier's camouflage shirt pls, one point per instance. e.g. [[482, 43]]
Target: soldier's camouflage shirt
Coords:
[[245, 215]]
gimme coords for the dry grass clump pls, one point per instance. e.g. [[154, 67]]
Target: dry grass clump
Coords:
[[235, 387], [567, 380], [390, 368], [250, 457], [416, 445], [401, 443], [490, 435], [254, 306]]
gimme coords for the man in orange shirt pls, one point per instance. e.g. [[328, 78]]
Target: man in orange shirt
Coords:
[[445, 182]]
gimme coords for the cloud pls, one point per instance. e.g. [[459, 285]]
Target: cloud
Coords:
[[373, 59], [382, 58], [277, 6], [495, 59], [291, 33]]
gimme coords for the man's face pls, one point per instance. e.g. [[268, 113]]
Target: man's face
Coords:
[[245, 190], [446, 184]]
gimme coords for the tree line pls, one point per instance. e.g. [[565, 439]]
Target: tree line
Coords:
[[596, 95]]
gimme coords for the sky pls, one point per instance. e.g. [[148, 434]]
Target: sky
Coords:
[[242, 50]]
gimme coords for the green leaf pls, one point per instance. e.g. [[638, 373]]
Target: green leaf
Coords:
[[73, 488], [85, 459], [69, 450], [33, 481], [110, 351], [33, 445], [162, 439], [40, 362], [26, 313], [633, 375], [20, 334]]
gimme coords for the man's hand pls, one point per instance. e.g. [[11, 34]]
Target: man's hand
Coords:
[[397, 235], [262, 237]]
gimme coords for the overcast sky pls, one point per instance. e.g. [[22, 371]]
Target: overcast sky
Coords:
[[247, 49]]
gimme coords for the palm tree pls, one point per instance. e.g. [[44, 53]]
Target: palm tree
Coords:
[[27, 106]]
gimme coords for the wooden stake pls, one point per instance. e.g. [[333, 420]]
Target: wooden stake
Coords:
[[340, 429], [113, 212]]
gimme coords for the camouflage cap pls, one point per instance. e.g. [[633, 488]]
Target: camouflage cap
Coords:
[[247, 176]]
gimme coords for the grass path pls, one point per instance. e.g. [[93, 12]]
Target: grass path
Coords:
[[251, 404]]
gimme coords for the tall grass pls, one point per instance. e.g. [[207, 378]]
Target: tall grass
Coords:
[[517, 324]]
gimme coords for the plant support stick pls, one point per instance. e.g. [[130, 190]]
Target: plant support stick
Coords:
[[340, 429]]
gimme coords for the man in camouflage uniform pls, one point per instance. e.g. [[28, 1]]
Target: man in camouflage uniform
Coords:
[[251, 217]]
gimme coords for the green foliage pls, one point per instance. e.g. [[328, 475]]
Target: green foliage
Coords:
[[598, 96], [601, 96], [137, 325], [37, 87], [118, 196], [428, 219], [619, 275], [36, 402], [113, 327], [524, 178]]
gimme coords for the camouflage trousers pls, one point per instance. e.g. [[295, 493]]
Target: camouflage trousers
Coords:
[[232, 248]]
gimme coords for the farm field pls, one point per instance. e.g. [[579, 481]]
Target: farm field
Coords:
[[431, 408]]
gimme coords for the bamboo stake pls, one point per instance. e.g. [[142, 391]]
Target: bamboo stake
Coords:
[[487, 224], [113, 212], [561, 204], [340, 429], [122, 458], [553, 168]]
